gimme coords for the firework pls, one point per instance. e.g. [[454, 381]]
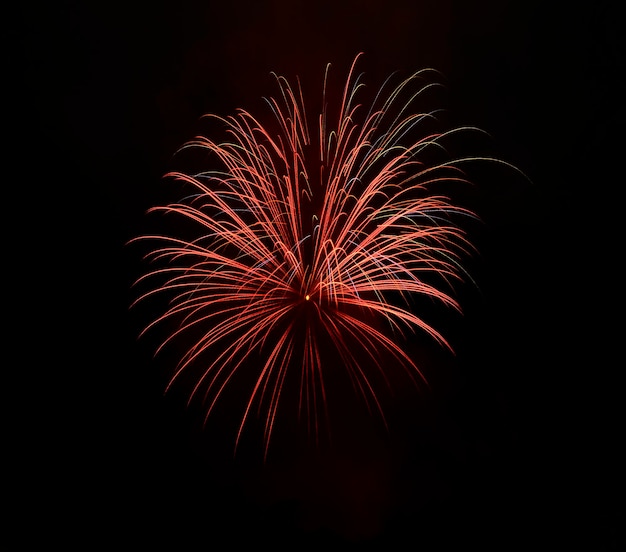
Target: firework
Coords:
[[310, 239]]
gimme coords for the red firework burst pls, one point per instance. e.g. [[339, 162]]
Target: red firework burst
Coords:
[[309, 241]]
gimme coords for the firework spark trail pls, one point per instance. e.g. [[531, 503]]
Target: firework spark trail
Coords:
[[286, 257]]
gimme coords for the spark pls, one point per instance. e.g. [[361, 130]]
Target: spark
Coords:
[[343, 212]]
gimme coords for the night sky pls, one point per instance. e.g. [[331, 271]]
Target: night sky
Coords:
[[520, 444]]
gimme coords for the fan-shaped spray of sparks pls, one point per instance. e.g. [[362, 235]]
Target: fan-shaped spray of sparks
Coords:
[[305, 233]]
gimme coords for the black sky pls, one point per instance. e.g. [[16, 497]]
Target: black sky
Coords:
[[522, 447]]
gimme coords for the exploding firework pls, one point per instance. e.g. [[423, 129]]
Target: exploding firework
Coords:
[[310, 241]]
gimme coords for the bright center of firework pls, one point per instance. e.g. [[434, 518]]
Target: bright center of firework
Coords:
[[307, 297]]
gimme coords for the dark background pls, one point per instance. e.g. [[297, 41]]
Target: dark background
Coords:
[[521, 443]]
